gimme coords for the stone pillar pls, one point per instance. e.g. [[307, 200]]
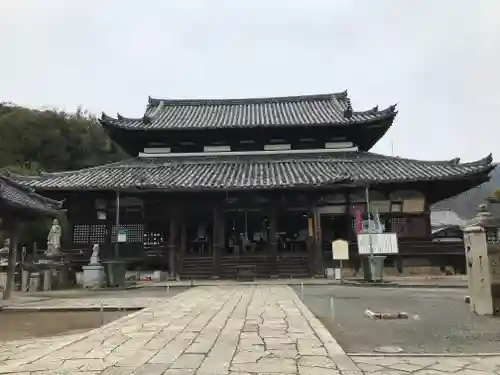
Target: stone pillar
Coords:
[[172, 242], [273, 243], [318, 244], [218, 239]]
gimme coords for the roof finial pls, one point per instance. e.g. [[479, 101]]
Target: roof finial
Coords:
[[146, 120], [348, 111], [118, 116]]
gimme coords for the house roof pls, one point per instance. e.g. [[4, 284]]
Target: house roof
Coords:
[[255, 171], [21, 197], [445, 217], [183, 114]]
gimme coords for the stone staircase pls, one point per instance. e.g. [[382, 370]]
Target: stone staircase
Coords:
[[196, 268], [287, 266]]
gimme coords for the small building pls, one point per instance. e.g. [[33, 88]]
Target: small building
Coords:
[[17, 201], [18, 204], [215, 183]]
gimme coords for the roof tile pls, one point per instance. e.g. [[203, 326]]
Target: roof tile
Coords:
[[256, 172], [24, 198], [328, 109]]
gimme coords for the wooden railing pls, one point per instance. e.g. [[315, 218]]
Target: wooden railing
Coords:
[[411, 248]]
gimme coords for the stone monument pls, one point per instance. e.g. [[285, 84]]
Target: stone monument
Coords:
[[54, 238], [93, 273], [482, 252], [53, 248]]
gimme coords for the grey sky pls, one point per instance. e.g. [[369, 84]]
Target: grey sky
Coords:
[[439, 59]]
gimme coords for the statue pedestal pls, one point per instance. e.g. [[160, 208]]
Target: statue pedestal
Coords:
[[34, 285], [93, 276]]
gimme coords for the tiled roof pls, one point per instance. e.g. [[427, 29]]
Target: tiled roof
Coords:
[[328, 109], [23, 198], [262, 171], [445, 217]]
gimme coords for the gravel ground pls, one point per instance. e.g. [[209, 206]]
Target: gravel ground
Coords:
[[439, 320]]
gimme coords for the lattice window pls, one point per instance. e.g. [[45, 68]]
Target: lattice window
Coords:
[[98, 234], [135, 233], [81, 234]]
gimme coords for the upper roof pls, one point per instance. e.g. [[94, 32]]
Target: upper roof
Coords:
[[24, 198], [264, 171], [183, 114]]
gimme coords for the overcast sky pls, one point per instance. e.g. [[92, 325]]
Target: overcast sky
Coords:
[[438, 59]]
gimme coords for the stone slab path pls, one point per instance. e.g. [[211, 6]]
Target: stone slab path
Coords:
[[237, 330], [428, 365], [204, 331]]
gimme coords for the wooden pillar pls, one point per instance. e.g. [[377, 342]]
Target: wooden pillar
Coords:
[[218, 239], [310, 242], [273, 243], [172, 242], [318, 244], [14, 229]]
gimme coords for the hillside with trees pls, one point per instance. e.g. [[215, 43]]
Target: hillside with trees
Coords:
[[32, 141], [49, 140]]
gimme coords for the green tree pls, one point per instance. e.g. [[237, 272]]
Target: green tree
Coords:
[[49, 140]]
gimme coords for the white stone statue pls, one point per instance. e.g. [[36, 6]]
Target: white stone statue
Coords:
[[94, 259], [54, 238]]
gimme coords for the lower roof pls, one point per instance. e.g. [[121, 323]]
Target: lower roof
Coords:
[[264, 171], [20, 197]]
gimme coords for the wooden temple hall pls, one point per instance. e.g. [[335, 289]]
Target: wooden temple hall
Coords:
[[270, 182]]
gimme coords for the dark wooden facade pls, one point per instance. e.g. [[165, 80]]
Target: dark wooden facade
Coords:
[[270, 182]]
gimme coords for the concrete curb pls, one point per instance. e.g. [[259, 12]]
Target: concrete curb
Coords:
[[385, 316], [417, 355], [342, 360], [25, 309], [407, 286], [313, 282]]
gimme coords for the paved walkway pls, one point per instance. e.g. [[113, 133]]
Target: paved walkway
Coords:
[[206, 330], [428, 365], [238, 330]]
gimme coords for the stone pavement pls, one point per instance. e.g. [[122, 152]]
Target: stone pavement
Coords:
[[206, 330], [428, 365], [237, 330]]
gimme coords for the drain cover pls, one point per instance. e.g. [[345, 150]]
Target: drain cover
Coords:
[[388, 349]]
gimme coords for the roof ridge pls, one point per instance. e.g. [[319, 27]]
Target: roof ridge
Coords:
[[152, 102], [62, 173], [487, 160]]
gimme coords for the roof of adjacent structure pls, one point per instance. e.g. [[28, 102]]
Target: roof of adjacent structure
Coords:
[[24, 198], [180, 114], [446, 217], [263, 171]]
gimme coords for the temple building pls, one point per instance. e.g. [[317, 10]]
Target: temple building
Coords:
[[270, 182]]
